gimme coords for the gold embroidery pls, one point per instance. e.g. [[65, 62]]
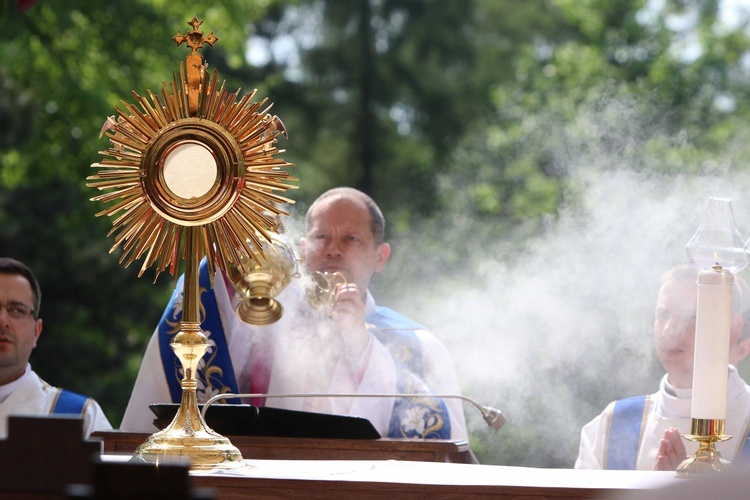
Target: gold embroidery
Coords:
[[424, 417], [208, 376]]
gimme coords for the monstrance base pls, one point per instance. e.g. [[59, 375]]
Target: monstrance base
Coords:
[[202, 449]]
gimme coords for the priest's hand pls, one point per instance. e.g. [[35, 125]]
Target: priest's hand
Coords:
[[349, 312], [671, 451]]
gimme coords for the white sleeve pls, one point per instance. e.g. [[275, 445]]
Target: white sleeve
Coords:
[[594, 441], [150, 387], [378, 377], [94, 418], [440, 374]]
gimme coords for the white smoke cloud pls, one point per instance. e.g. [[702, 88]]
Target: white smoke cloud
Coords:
[[553, 328]]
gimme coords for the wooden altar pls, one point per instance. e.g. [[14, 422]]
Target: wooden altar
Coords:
[[389, 468], [277, 468]]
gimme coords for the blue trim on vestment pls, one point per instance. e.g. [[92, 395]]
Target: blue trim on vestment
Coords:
[[625, 433], [398, 333], [69, 402], [220, 376], [421, 416], [385, 317]]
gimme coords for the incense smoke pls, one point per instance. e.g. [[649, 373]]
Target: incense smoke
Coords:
[[551, 328]]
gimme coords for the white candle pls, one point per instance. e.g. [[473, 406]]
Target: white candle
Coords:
[[712, 324]]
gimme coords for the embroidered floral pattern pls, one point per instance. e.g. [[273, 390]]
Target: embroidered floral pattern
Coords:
[[414, 420], [421, 416], [208, 376]]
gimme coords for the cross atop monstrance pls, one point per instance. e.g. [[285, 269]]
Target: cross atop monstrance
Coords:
[[194, 39], [194, 61]]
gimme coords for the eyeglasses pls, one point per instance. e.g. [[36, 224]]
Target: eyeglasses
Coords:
[[17, 311]]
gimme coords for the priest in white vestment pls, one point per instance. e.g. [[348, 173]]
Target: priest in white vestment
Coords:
[[22, 392], [360, 348], [646, 432]]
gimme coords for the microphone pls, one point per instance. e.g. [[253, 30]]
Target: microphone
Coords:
[[494, 417]]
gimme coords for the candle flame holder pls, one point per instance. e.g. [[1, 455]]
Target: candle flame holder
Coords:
[[706, 459]]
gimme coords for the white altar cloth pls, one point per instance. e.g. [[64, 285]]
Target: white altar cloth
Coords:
[[395, 471]]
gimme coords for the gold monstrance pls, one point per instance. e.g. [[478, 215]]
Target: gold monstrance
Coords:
[[192, 174]]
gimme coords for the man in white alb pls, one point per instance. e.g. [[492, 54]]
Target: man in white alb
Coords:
[[22, 392], [358, 348], [645, 432]]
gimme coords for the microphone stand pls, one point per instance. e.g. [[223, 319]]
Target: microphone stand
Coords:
[[494, 417]]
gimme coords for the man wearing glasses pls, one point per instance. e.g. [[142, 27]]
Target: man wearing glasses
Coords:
[[22, 392]]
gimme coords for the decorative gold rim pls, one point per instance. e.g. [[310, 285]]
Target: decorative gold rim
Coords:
[[235, 212], [226, 188]]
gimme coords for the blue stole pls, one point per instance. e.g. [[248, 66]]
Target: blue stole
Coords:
[[215, 374], [625, 433], [628, 417], [420, 417], [69, 402]]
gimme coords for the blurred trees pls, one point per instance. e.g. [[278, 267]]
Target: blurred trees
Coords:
[[390, 88], [451, 114]]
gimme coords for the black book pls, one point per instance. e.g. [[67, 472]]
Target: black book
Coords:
[[248, 420]]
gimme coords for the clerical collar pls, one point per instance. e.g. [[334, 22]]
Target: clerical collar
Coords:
[[678, 392], [7, 389]]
